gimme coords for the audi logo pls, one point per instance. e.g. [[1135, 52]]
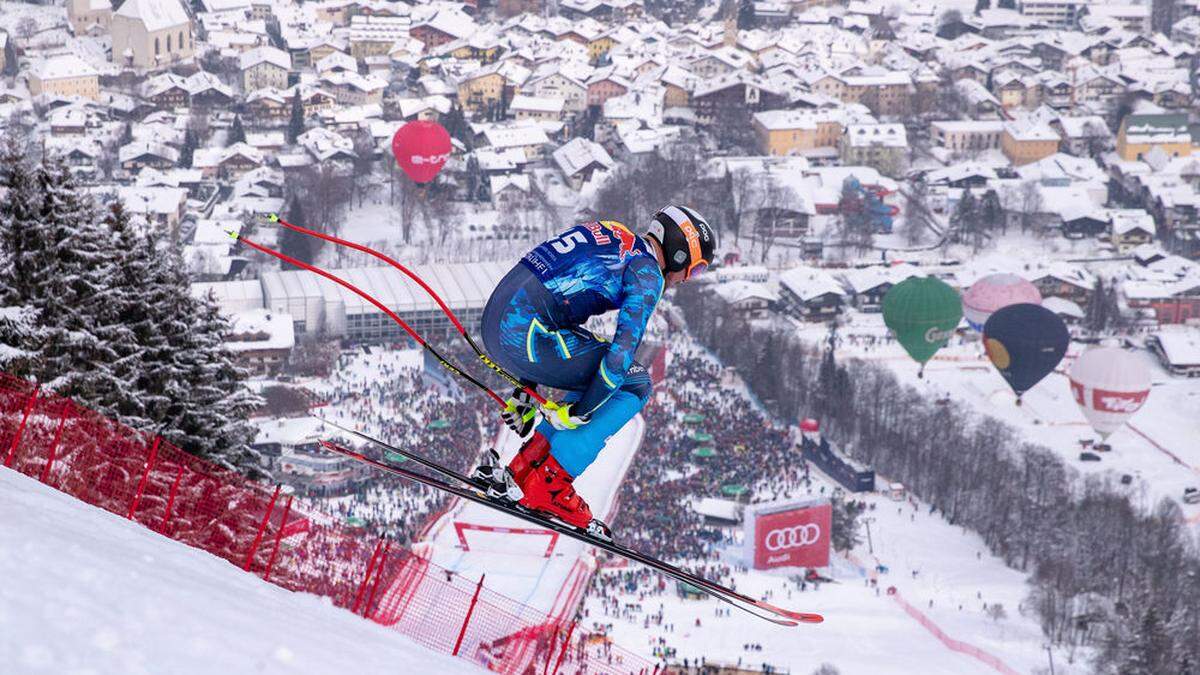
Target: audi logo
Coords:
[[791, 537]]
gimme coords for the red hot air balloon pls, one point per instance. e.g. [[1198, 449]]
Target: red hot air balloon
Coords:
[[421, 149]]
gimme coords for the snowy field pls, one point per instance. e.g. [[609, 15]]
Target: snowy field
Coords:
[[865, 629], [85, 591]]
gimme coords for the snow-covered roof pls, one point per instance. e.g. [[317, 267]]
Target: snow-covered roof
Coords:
[[739, 290], [515, 135], [536, 104], [579, 153], [1063, 306], [808, 283], [876, 135], [63, 66], [271, 55], [155, 14], [260, 329], [1180, 345], [1128, 220]]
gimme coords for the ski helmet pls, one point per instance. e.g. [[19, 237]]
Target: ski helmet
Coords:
[[687, 240]]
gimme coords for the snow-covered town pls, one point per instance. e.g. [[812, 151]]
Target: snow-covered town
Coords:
[[933, 298]]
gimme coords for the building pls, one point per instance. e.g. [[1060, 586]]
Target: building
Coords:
[[1130, 228], [320, 307], [1024, 143], [1177, 350], [536, 108], [579, 159], [810, 293], [796, 132], [66, 75], [1141, 133], [264, 67], [967, 135], [151, 34], [1057, 14], [881, 146], [1131, 17], [731, 96], [375, 35], [482, 90], [89, 17], [261, 340]]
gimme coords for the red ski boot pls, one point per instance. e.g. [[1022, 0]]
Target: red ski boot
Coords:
[[531, 455], [548, 490]]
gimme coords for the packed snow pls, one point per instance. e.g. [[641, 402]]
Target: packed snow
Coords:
[[85, 591]]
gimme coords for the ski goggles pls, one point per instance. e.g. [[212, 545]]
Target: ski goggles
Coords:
[[699, 264]]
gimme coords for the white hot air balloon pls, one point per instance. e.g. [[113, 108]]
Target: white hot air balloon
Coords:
[[1109, 384], [994, 292]]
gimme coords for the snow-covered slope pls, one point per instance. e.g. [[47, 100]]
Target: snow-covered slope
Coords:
[[82, 590]]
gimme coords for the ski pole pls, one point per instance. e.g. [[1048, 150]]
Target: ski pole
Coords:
[[382, 307], [512, 379]]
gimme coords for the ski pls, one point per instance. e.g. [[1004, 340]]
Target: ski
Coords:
[[470, 490]]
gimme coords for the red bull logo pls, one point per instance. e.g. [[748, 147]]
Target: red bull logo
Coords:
[[626, 240]]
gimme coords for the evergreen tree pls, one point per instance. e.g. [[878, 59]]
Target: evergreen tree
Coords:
[[1095, 317], [981, 5], [299, 246], [296, 123], [72, 259], [19, 328], [189, 148], [10, 58], [474, 178], [237, 134], [746, 19], [455, 123], [1149, 648], [188, 382], [844, 531], [966, 213]]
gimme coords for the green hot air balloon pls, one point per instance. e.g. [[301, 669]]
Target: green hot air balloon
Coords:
[[922, 312]]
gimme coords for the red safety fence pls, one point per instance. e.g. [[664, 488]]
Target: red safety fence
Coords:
[[266, 531]]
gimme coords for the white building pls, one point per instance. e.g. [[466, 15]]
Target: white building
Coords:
[[151, 34], [318, 306]]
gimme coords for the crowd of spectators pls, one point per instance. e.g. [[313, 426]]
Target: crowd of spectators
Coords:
[[656, 515], [388, 398]]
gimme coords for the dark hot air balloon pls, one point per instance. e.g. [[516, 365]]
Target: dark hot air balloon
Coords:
[[1025, 342], [421, 149], [922, 312]]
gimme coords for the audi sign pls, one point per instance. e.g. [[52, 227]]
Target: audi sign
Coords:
[[789, 534]]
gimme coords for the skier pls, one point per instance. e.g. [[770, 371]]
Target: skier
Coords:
[[532, 326]]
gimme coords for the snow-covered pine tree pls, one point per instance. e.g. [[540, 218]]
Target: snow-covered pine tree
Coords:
[[72, 273], [19, 330], [191, 387]]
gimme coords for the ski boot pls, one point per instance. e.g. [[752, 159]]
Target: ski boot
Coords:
[[548, 491], [505, 484], [495, 479]]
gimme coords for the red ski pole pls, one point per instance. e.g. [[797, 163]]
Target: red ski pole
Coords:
[[379, 305], [515, 381]]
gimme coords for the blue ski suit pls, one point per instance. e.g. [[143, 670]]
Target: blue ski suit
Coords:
[[532, 327]]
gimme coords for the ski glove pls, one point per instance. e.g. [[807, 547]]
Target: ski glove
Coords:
[[520, 413], [560, 417]]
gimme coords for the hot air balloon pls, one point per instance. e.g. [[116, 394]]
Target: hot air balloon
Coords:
[[1109, 384], [1025, 342], [421, 149], [922, 312], [994, 291]]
